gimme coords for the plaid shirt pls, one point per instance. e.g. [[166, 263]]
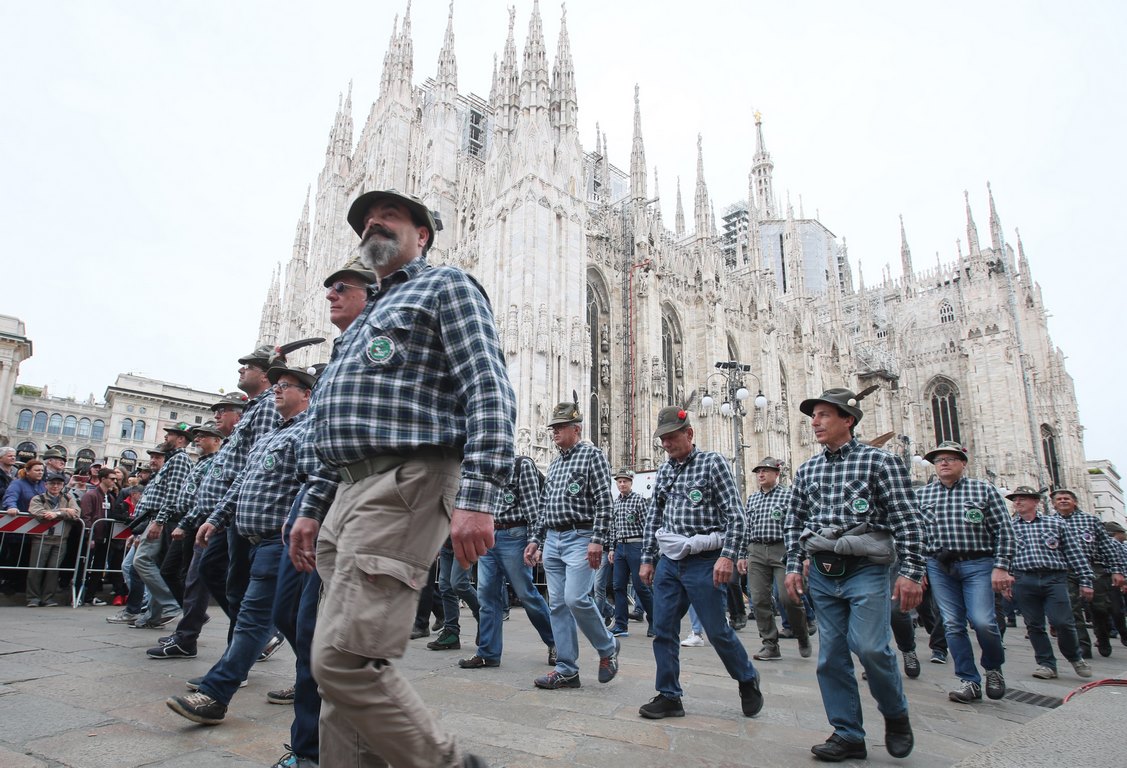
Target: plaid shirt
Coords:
[[262, 494], [855, 484], [766, 512], [577, 491], [1095, 542], [1046, 543], [629, 518], [259, 417], [697, 495], [970, 516], [191, 487], [520, 499], [424, 367], [162, 495]]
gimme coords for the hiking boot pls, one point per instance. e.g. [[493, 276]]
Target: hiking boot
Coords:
[[447, 641], [804, 649], [552, 656], [661, 706], [995, 684], [836, 749], [967, 692], [911, 664], [608, 665], [1044, 673], [123, 617], [171, 650], [554, 680], [898, 738], [477, 662], [751, 700], [284, 696], [1082, 667], [418, 631], [273, 645], [767, 653], [199, 708]]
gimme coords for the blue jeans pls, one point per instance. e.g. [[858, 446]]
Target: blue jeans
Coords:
[[253, 627], [677, 585], [146, 564], [627, 561], [137, 589], [965, 593], [506, 560], [570, 579], [454, 583], [1045, 593], [853, 616], [599, 591]]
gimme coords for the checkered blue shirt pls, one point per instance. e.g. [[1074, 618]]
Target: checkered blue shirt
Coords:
[[259, 417], [191, 487], [697, 495], [162, 496], [855, 484], [1046, 543], [629, 518], [766, 512], [1095, 541], [262, 494], [520, 499], [970, 516], [577, 491], [423, 368]]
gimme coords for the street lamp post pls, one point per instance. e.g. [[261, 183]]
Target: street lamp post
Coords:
[[733, 373]]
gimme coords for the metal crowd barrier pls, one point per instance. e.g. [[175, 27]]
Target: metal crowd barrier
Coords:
[[88, 561], [17, 532]]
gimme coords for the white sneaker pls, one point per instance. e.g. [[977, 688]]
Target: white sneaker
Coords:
[[694, 640]]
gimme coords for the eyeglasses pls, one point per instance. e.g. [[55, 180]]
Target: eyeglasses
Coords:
[[946, 460], [340, 286], [282, 386]]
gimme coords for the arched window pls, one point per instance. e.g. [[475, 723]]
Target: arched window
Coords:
[[55, 424], [70, 426], [126, 429], [99, 430], [672, 362], [945, 411], [1049, 446], [24, 424], [84, 427], [946, 312], [139, 430], [40, 422]]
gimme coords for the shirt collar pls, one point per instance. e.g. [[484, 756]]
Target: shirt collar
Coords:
[[693, 452], [842, 452]]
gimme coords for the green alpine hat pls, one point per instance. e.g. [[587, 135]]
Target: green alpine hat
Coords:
[[626, 473], [420, 213], [1023, 490], [565, 413], [1113, 527], [354, 267], [670, 419], [843, 398], [769, 463], [207, 429], [947, 446], [301, 374], [232, 400], [182, 429]]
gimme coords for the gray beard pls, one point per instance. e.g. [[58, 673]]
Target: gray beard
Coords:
[[378, 252]]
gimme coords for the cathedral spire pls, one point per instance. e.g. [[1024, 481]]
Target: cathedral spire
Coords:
[[794, 273], [506, 95], [534, 90], [564, 104], [657, 197], [679, 214], [637, 154], [905, 254], [755, 253], [972, 230], [701, 217], [762, 171], [995, 223], [447, 80]]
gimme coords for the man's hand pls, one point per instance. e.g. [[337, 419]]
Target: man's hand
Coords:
[[203, 535], [177, 534], [646, 574], [1001, 580], [610, 557], [722, 571], [530, 554], [741, 566], [303, 544], [793, 584], [13, 511], [594, 556], [907, 593], [152, 533], [1086, 593], [1117, 580], [471, 533]]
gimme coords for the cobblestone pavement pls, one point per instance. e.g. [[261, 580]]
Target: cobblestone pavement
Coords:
[[76, 691]]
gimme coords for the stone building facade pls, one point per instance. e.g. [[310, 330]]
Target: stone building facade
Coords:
[[594, 292]]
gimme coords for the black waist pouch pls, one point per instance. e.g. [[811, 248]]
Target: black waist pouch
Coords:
[[837, 566]]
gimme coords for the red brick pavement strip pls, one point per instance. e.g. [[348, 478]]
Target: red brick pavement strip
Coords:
[[76, 691]]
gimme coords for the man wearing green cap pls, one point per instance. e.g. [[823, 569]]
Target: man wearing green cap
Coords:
[[574, 522], [853, 514], [696, 524], [969, 542], [626, 553]]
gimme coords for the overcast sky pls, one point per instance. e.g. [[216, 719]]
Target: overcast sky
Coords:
[[156, 155]]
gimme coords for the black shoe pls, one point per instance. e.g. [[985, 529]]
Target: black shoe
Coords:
[[911, 664], [738, 622], [477, 662], [273, 645], [837, 749], [418, 631], [171, 650], [636, 616], [608, 665], [750, 698], [1104, 649], [661, 706], [447, 641], [995, 684], [199, 708], [898, 739], [473, 761]]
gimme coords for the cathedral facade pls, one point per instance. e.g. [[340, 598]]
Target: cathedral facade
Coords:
[[595, 293]]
